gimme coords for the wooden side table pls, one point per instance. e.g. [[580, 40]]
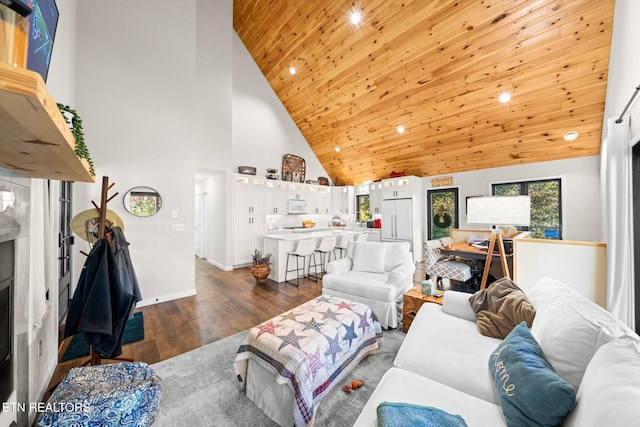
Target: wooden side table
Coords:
[[412, 301]]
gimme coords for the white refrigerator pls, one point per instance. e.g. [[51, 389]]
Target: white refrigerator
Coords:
[[397, 221]]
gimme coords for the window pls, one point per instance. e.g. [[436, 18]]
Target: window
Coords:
[[442, 212], [363, 213], [546, 206]]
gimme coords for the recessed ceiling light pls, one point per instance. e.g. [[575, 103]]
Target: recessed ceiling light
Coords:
[[337, 149], [504, 97], [400, 129], [355, 17], [292, 70], [571, 135]]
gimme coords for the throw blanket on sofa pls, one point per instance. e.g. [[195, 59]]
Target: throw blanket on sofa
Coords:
[[312, 347], [500, 307], [392, 414]]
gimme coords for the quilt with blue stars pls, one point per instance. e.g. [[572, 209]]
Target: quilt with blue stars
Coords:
[[312, 347]]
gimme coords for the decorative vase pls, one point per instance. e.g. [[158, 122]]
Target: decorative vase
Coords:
[[260, 272]]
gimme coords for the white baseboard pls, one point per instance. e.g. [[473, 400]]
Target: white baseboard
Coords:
[[220, 266], [165, 298]]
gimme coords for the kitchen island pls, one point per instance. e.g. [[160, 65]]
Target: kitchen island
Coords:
[[278, 244]]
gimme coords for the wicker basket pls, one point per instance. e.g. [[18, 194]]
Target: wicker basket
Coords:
[[293, 168]]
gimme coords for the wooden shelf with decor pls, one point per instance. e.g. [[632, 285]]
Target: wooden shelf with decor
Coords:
[[35, 140]]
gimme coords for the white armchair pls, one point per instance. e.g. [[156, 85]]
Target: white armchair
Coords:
[[373, 273]]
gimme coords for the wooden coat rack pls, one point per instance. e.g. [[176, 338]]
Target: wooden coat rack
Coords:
[[95, 357]]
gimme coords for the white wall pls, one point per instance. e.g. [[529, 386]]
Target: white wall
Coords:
[[214, 73], [62, 70], [580, 191], [136, 90], [624, 60], [263, 130]]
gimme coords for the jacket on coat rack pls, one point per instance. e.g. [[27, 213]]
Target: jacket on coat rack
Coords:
[[128, 278], [100, 305]]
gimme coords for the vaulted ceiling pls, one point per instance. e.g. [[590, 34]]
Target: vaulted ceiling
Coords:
[[437, 68]]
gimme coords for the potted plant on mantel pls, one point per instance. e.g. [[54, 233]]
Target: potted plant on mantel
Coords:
[[260, 269], [74, 122]]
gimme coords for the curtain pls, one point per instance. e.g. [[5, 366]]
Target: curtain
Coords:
[[616, 178]]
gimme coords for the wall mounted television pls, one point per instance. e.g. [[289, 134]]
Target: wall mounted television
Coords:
[[43, 22]]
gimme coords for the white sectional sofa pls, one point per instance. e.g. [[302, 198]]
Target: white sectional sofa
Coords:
[[444, 363]]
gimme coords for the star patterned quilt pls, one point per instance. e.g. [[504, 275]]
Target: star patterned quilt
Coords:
[[311, 347]]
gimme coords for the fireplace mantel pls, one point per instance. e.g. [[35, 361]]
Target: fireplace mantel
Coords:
[[36, 141]]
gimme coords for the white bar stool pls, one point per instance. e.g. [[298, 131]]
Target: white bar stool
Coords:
[[324, 249], [342, 245], [304, 249]]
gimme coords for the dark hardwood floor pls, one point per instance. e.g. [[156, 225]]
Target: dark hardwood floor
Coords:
[[227, 302]]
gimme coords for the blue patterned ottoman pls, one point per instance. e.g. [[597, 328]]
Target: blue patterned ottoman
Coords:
[[105, 395]]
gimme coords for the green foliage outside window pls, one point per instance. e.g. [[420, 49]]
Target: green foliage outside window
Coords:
[[545, 205], [364, 211], [143, 204]]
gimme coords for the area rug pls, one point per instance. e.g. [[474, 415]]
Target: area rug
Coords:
[[199, 388], [133, 331]]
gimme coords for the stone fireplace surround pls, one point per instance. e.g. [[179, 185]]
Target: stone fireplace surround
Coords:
[[7, 264], [14, 225]]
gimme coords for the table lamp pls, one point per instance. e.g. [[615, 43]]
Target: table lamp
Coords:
[[496, 211]]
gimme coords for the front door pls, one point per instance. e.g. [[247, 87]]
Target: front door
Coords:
[[65, 243]]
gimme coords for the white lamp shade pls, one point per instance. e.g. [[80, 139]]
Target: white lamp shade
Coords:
[[499, 210]]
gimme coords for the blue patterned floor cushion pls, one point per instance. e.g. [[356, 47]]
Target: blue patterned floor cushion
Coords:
[[121, 394]]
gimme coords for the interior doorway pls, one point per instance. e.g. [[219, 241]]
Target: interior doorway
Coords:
[[200, 225]]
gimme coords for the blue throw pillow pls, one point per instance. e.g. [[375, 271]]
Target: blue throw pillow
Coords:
[[531, 393]]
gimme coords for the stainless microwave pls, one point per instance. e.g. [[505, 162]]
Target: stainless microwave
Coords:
[[297, 206]]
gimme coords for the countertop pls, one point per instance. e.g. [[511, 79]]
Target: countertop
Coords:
[[313, 233]]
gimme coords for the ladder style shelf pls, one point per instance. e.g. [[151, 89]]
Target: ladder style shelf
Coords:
[[35, 140]]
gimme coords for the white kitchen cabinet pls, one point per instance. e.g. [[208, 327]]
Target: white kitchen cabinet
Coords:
[[296, 191], [248, 194], [249, 216], [275, 201], [400, 188], [342, 200], [375, 198], [318, 199], [248, 235]]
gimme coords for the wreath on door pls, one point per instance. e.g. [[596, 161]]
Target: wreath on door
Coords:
[[442, 220]]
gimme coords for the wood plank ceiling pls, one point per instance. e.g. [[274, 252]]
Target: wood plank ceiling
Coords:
[[437, 68]]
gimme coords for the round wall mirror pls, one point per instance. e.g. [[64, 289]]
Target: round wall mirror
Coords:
[[142, 201]]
